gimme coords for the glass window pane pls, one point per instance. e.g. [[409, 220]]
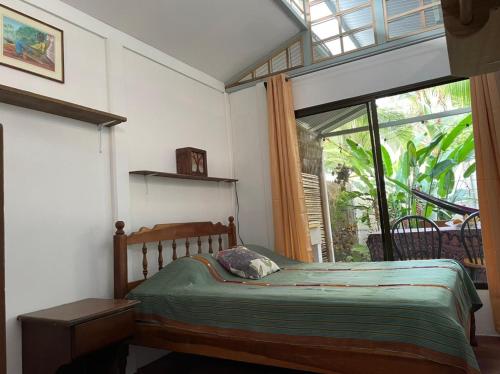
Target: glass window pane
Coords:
[[405, 25], [248, 77], [355, 20], [319, 11], [320, 52], [358, 40], [348, 4], [326, 29], [350, 182], [433, 16], [333, 47], [395, 7], [421, 154], [295, 54], [262, 70], [278, 63]]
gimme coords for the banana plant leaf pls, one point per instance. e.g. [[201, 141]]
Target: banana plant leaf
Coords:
[[443, 204]]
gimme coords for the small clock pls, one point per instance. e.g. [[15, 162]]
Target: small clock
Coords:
[[191, 161]]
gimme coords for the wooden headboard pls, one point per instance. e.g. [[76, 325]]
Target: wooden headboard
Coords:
[[158, 234]]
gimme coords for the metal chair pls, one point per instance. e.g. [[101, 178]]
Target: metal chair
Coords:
[[470, 234], [416, 238]]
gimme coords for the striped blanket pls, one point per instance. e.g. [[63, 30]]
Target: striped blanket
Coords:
[[402, 308]]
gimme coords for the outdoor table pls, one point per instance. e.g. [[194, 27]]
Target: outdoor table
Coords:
[[451, 246]]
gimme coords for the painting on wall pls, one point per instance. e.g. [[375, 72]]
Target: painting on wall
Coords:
[[31, 45]]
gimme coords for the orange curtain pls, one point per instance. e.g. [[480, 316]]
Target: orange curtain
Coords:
[[485, 90], [291, 230]]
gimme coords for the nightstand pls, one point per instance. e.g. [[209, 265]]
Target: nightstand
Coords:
[[87, 336]]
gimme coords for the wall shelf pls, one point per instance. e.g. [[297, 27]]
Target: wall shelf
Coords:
[[181, 176], [30, 100]]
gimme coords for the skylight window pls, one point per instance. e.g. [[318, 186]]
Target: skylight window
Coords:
[[337, 28], [286, 59], [262, 70], [298, 7], [340, 26], [408, 17]]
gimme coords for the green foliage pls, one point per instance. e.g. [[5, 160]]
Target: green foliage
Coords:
[[386, 159], [429, 165], [436, 157], [470, 170]]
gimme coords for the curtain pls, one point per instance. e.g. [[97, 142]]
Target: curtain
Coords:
[[485, 91], [291, 231]]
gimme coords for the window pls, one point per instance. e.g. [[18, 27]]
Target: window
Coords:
[[286, 59], [426, 144], [340, 26], [298, 7], [354, 215], [408, 17]]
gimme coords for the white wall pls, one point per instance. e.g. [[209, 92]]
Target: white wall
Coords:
[[251, 163], [412, 64], [62, 196], [178, 112], [484, 317], [57, 213]]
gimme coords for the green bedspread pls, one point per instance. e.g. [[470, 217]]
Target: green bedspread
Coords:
[[424, 304]]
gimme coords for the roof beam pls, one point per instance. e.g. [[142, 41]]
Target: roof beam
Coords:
[[356, 112], [405, 121], [292, 14], [330, 122]]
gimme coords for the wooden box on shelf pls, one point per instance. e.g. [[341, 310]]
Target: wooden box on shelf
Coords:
[[191, 161]]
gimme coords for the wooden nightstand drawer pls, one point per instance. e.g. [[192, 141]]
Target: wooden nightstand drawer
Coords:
[[96, 334], [86, 336]]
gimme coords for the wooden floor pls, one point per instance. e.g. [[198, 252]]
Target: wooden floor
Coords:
[[488, 356]]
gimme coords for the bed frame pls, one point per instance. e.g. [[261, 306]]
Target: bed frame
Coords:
[[241, 345], [161, 233]]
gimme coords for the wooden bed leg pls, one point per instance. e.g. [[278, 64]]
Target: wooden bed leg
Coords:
[[120, 261], [473, 340]]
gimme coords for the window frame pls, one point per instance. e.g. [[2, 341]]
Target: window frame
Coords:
[[421, 9], [369, 4], [268, 62]]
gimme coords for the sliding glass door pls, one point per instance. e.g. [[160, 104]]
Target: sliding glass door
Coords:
[[351, 178], [391, 156], [427, 144]]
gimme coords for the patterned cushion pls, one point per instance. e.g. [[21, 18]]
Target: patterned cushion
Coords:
[[245, 263]]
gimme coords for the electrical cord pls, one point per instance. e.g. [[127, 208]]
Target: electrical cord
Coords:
[[238, 213]]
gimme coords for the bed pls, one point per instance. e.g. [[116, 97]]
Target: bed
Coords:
[[391, 317]]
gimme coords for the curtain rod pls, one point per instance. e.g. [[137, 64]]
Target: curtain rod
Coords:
[[286, 80]]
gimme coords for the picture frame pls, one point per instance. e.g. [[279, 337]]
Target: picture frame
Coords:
[[31, 45]]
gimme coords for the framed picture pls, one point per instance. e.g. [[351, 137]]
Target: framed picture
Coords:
[[31, 45]]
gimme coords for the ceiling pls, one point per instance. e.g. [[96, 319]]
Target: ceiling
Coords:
[[218, 37], [326, 122]]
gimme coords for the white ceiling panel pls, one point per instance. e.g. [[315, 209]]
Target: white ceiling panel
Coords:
[[218, 37]]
